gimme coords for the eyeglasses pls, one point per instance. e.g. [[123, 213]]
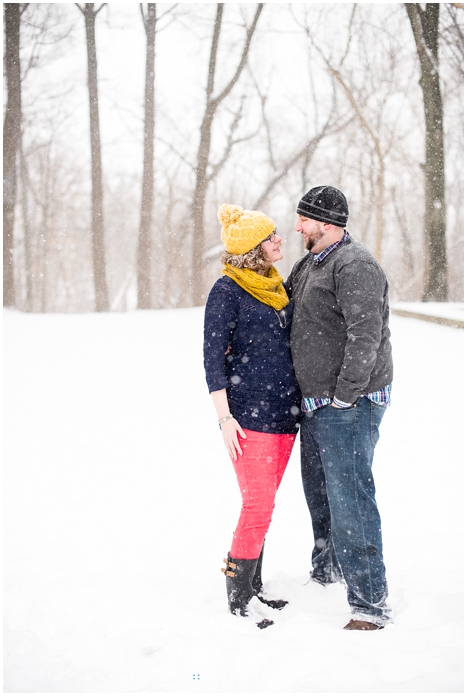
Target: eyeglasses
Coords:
[[272, 237]]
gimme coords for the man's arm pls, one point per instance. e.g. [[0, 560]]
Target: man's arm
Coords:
[[360, 289]]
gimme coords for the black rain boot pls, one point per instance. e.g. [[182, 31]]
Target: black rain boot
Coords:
[[239, 574], [257, 585], [257, 582]]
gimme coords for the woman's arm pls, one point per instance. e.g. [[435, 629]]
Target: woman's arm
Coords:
[[229, 427], [219, 317]]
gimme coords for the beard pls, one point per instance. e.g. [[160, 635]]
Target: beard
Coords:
[[312, 240]]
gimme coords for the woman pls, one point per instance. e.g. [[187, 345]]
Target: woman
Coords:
[[252, 383]]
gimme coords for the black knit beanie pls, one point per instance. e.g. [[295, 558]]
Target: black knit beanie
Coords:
[[326, 204]]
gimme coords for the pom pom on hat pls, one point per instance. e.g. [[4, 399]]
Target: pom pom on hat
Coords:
[[229, 214], [243, 230]]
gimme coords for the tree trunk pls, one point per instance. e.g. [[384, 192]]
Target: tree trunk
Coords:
[[97, 223], [379, 210], [147, 197], [45, 226], [11, 141], [204, 149], [199, 196], [26, 229], [425, 30], [199, 201]]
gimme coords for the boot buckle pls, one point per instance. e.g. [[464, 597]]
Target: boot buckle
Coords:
[[229, 564]]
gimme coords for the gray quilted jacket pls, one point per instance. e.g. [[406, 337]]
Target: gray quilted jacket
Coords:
[[340, 334]]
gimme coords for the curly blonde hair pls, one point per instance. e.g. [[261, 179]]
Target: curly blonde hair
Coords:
[[255, 259]]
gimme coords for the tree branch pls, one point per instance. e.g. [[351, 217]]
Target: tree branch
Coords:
[[94, 12], [215, 102], [176, 152], [167, 12], [231, 142], [347, 48], [348, 92], [263, 99], [313, 143], [214, 48]]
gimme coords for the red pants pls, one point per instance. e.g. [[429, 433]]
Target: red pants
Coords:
[[259, 473]]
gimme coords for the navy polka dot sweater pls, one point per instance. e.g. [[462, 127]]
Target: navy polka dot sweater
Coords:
[[247, 352]]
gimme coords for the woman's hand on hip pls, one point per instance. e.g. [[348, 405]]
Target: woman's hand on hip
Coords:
[[230, 431]]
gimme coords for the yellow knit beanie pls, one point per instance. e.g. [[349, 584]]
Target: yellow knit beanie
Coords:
[[242, 230]]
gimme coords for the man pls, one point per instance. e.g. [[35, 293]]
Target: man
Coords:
[[342, 359]]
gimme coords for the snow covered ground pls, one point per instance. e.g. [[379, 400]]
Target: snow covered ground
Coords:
[[120, 504]]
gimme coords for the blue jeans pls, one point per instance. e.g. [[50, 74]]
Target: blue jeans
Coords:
[[337, 447]]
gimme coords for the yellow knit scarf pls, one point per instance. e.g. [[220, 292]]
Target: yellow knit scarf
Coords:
[[267, 288]]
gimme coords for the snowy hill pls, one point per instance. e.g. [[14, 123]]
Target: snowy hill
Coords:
[[120, 504]]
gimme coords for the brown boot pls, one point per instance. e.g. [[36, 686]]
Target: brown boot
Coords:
[[356, 625]]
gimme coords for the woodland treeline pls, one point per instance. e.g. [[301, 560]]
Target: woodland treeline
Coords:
[[126, 126]]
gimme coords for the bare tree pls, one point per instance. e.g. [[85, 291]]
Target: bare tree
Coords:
[[204, 149], [380, 156], [425, 24], [11, 142], [305, 152], [147, 197], [451, 34], [26, 228], [97, 206], [144, 251], [41, 27], [338, 76], [297, 141], [371, 100]]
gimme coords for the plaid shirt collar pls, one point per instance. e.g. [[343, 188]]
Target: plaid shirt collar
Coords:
[[320, 257]]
